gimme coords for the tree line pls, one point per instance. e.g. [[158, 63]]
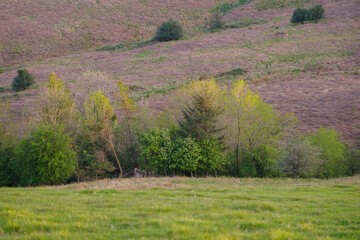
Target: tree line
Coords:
[[206, 131]]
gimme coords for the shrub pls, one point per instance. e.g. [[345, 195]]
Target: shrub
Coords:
[[299, 16], [299, 158], [7, 175], [212, 159], [168, 31], [316, 13], [215, 21], [156, 147], [185, 156], [46, 157], [353, 160], [23, 80], [261, 162], [332, 152]]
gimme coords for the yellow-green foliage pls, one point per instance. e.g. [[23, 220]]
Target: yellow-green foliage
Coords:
[[99, 115], [251, 122], [59, 105], [99, 122]]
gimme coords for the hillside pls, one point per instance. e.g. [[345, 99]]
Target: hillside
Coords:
[[39, 29], [311, 69]]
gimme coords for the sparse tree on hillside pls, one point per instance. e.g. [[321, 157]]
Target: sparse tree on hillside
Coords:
[[169, 31], [215, 21], [299, 16], [23, 80], [316, 13]]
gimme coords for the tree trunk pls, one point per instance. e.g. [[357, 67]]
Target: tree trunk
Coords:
[[117, 160]]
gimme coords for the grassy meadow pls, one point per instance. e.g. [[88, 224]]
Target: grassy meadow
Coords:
[[184, 208]]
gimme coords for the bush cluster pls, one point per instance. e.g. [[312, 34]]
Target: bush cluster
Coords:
[[300, 15]]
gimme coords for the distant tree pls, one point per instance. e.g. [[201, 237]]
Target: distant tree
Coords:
[[100, 121], [169, 31], [316, 13], [23, 80], [46, 157], [299, 157], [215, 21], [299, 16]]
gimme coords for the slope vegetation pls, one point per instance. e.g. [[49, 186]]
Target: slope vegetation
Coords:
[[310, 69]]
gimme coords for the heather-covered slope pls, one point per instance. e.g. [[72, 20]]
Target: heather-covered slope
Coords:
[[311, 69], [33, 29]]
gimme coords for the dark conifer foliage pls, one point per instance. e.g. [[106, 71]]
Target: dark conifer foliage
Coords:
[[299, 15], [23, 80], [200, 118]]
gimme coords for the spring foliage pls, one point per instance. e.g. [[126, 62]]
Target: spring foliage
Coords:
[[59, 105], [46, 157]]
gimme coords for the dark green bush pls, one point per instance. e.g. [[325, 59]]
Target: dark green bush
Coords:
[[185, 156], [46, 157], [156, 149], [261, 162], [7, 174], [316, 13], [212, 159], [299, 16], [169, 31], [353, 160], [23, 80]]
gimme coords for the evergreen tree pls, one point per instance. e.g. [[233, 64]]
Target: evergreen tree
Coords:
[[23, 80], [200, 118], [316, 13], [299, 15]]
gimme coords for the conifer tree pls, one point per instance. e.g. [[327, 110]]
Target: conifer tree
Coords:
[[23, 80], [200, 118]]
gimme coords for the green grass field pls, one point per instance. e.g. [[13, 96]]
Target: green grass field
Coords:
[[184, 208]]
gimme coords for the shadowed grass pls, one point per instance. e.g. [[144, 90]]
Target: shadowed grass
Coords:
[[184, 208]]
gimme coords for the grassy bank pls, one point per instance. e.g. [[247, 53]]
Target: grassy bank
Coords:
[[182, 208]]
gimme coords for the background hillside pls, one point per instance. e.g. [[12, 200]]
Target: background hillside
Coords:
[[37, 29], [311, 69]]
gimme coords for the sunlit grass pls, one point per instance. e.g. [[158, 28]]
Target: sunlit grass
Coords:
[[181, 208]]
